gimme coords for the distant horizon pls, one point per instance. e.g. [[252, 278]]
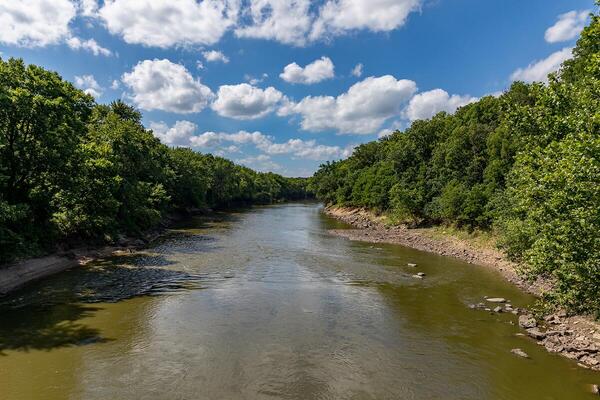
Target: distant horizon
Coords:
[[283, 87]]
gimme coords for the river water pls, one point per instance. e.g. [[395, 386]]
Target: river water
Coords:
[[265, 304]]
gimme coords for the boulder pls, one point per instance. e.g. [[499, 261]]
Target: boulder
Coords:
[[520, 353], [536, 333], [527, 321]]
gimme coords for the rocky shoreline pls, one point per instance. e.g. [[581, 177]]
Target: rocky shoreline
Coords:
[[575, 337]]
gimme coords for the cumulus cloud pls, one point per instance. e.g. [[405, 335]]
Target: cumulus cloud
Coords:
[[286, 21], [88, 8], [177, 135], [361, 110], [90, 45], [538, 70], [357, 71], [182, 133], [166, 23], [427, 104], [568, 26], [262, 163], [35, 23], [214, 56], [341, 16], [314, 72], [163, 85], [245, 101], [88, 84]]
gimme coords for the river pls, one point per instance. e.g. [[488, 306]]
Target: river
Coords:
[[265, 304]]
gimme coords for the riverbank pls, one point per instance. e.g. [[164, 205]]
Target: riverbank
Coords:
[[20, 273], [575, 337]]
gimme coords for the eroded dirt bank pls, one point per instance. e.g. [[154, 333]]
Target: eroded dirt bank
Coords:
[[575, 337]]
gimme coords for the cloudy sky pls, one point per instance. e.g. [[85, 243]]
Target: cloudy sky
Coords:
[[284, 85]]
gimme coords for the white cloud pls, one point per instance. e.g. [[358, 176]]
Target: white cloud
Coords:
[[314, 72], [395, 126], [115, 85], [262, 163], [361, 110], [182, 133], [177, 135], [338, 17], [538, 70], [568, 26], [286, 21], [245, 101], [166, 23], [88, 84], [427, 104], [90, 45], [255, 81], [163, 85], [35, 23], [88, 8], [214, 56], [357, 71]]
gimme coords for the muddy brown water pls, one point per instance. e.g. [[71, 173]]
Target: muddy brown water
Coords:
[[265, 304]]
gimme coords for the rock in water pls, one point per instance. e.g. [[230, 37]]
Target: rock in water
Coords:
[[596, 389], [496, 300], [498, 309], [411, 265], [527, 321], [519, 353], [421, 274], [417, 276]]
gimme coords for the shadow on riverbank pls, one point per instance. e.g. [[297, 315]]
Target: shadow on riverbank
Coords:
[[48, 314]]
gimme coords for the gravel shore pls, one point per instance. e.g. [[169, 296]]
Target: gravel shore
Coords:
[[575, 337]]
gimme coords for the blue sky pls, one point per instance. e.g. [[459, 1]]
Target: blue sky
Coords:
[[215, 75]]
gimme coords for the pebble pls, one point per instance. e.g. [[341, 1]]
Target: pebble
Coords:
[[496, 300]]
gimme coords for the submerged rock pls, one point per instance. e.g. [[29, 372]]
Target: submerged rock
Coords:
[[496, 300], [520, 353]]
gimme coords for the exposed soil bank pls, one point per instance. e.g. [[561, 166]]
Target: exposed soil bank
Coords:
[[575, 337]]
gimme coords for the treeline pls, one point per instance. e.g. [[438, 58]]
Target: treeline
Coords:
[[73, 170], [525, 164]]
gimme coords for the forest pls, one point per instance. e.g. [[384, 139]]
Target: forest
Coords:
[[524, 166], [73, 171]]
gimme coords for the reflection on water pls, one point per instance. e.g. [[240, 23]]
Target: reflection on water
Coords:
[[266, 304]]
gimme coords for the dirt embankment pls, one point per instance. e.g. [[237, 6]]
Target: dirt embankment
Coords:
[[575, 337]]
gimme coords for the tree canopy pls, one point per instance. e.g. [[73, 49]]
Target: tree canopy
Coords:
[[525, 164], [73, 170]]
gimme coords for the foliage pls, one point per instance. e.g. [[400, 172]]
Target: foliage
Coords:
[[72, 170], [525, 164]]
